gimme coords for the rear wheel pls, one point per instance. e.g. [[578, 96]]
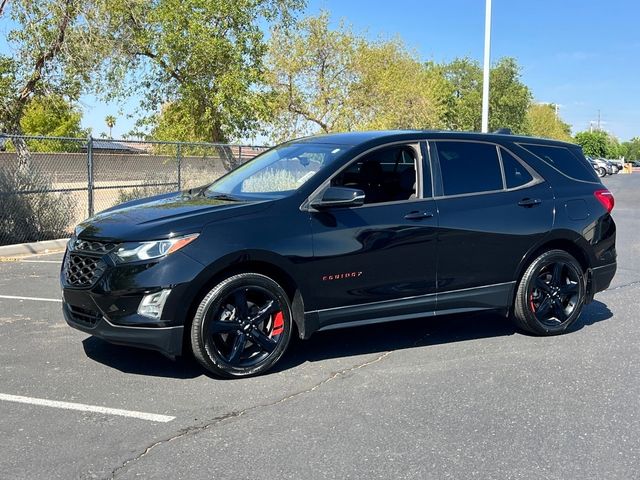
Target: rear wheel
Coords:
[[242, 326], [601, 172], [551, 294]]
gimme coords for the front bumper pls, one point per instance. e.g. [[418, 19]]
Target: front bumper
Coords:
[[167, 340], [108, 307]]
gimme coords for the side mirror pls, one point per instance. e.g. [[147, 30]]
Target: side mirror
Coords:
[[339, 197]]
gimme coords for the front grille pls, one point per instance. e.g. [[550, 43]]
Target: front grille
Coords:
[[83, 270], [84, 316], [92, 246]]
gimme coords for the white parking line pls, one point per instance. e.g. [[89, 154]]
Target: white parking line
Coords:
[[44, 254], [58, 262], [152, 417], [37, 299]]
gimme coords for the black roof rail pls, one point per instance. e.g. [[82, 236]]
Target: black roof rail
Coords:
[[504, 131]]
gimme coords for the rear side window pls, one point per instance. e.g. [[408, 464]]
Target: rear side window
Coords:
[[514, 172], [564, 160], [469, 167]]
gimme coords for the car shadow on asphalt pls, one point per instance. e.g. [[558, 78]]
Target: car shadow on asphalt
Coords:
[[371, 339]]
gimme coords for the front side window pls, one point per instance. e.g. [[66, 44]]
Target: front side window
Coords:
[[277, 172], [384, 175], [469, 167]]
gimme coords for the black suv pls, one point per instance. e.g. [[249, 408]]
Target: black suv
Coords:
[[341, 230]]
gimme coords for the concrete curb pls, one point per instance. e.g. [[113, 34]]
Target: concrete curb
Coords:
[[34, 248]]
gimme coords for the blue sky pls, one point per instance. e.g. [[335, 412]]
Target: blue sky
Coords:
[[580, 54]]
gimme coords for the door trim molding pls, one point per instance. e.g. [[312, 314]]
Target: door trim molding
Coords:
[[427, 295]]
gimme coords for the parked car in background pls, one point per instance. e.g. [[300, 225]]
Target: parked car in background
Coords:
[[615, 168], [600, 166], [345, 230], [635, 163]]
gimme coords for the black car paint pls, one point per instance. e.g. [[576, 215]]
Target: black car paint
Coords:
[[444, 261]]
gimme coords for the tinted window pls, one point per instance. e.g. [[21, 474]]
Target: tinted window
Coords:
[[514, 172], [469, 167], [565, 161], [384, 175]]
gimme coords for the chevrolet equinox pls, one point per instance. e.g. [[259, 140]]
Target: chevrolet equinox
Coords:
[[341, 230]]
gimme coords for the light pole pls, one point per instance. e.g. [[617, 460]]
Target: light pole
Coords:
[[487, 66]]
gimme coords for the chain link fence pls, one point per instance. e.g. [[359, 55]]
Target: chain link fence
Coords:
[[49, 184]]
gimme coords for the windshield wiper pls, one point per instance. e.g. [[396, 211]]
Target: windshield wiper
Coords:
[[223, 196]]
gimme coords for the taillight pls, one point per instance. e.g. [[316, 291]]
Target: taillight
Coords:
[[605, 197]]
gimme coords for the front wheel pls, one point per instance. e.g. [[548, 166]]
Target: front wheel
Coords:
[[242, 326], [601, 172], [551, 294]]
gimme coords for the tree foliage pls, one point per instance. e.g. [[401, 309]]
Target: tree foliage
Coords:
[[543, 122], [598, 144], [396, 91], [631, 149], [508, 101], [326, 79], [56, 47], [52, 116], [203, 57], [312, 73]]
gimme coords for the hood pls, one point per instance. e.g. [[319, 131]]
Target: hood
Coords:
[[162, 216]]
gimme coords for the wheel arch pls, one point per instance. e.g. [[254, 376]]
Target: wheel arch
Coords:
[[565, 244], [246, 263]]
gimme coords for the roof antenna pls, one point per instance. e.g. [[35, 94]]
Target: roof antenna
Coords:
[[504, 131]]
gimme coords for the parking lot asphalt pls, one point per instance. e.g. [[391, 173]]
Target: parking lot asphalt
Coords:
[[463, 396]]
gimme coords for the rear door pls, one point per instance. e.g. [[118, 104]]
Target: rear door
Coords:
[[492, 209]]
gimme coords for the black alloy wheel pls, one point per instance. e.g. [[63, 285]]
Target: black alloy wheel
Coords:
[[551, 294], [242, 327]]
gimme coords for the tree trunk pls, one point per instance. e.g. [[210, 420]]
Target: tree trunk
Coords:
[[19, 143], [229, 161]]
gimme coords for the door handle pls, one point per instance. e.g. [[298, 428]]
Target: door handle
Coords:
[[418, 215], [529, 202]]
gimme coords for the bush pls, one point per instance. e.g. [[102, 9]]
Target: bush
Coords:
[[34, 216]]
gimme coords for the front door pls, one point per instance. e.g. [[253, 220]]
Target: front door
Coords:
[[377, 261]]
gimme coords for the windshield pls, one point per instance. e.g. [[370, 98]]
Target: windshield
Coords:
[[277, 172]]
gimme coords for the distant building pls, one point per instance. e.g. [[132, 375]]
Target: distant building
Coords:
[[108, 146]]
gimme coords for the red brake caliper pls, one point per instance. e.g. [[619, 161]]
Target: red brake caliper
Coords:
[[533, 307], [278, 324]]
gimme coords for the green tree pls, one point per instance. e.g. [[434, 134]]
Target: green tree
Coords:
[[52, 116], [631, 149], [110, 120], [55, 48], [311, 72], [509, 98], [543, 122], [205, 56], [594, 144], [326, 80], [394, 90]]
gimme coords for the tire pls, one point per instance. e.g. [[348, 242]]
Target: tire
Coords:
[[242, 327], [601, 172], [550, 295]]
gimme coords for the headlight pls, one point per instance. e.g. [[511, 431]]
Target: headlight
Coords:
[[135, 252]]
